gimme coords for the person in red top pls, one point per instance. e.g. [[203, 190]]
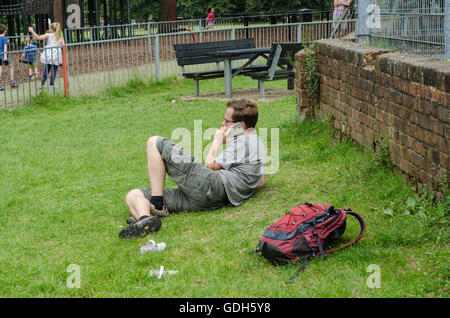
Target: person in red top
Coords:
[[210, 18]]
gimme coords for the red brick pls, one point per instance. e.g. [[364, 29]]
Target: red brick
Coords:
[[412, 88], [379, 115], [429, 138], [437, 127], [443, 114], [442, 144]]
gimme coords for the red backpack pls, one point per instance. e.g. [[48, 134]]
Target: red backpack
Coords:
[[302, 232]]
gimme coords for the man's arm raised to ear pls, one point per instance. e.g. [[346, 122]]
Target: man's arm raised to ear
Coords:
[[214, 151]]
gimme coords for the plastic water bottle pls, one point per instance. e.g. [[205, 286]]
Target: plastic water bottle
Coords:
[[152, 246], [161, 272]]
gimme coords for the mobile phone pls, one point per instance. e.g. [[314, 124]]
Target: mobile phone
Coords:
[[236, 130]]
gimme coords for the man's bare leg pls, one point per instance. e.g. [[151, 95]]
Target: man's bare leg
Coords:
[[138, 204], [156, 167], [140, 209]]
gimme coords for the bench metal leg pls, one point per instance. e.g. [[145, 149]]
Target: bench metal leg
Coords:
[[197, 88], [261, 88], [227, 78], [290, 84]]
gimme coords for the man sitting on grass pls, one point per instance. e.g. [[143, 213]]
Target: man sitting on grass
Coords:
[[228, 178]]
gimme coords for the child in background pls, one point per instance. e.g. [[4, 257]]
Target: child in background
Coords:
[[29, 58], [210, 19], [4, 57], [51, 57], [339, 8]]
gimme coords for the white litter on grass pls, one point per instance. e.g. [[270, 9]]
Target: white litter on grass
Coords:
[[161, 272], [152, 246]]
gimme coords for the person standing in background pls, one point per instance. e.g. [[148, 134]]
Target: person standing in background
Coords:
[[339, 8], [210, 18], [29, 57], [51, 57], [4, 57]]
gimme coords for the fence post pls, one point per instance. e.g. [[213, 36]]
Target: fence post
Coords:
[[92, 46], [299, 33], [446, 27], [65, 72], [149, 39], [157, 58], [362, 29]]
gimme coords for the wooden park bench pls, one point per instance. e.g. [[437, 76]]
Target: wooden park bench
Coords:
[[280, 66], [203, 53]]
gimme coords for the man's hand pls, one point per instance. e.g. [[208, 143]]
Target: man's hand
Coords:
[[219, 136], [263, 181], [222, 134], [219, 140]]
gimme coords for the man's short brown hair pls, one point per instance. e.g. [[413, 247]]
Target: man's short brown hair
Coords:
[[2, 28], [244, 110]]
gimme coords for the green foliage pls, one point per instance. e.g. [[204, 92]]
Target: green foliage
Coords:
[[141, 10], [279, 6], [311, 73], [382, 157]]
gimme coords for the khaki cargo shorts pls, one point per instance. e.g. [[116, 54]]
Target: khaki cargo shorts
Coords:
[[199, 187]]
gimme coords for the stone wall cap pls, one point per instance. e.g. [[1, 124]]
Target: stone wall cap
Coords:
[[357, 47], [419, 60]]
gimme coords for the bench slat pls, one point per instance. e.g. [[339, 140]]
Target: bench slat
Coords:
[[219, 45], [277, 74], [199, 75], [197, 53]]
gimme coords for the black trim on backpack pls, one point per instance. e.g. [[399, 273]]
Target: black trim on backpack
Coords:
[[319, 242]]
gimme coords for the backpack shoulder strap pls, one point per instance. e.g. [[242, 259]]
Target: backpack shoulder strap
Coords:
[[363, 229], [258, 248], [300, 269]]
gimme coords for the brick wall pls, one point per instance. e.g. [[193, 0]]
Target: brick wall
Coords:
[[378, 97]]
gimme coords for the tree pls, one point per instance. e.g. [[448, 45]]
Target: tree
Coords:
[[167, 10], [143, 10]]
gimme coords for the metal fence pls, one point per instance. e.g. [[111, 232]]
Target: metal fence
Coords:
[[85, 34], [412, 26], [96, 65]]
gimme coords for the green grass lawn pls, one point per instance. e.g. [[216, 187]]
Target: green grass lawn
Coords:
[[67, 164]]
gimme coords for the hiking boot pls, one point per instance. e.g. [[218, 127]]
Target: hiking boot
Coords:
[[141, 228], [161, 213], [131, 220]]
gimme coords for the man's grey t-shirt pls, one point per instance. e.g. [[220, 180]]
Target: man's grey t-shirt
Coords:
[[243, 161]]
